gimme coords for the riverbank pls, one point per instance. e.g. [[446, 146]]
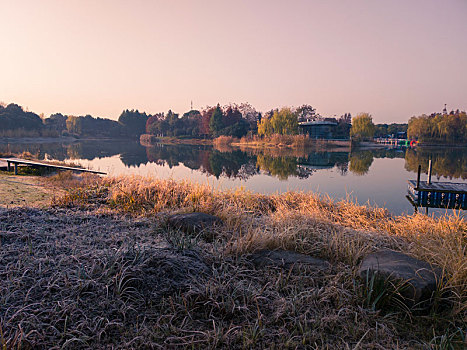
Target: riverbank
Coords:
[[62, 139], [435, 145], [371, 145], [116, 274], [274, 141], [147, 140], [281, 141], [67, 139]]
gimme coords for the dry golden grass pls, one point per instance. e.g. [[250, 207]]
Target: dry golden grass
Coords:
[[238, 306], [224, 140], [305, 222], [276, 140]]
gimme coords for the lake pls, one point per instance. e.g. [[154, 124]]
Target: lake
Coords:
[[375, 177]]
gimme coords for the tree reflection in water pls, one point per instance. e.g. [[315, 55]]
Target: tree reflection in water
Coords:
[[448, 162], [360, 162], [236, 163], [243, 163]]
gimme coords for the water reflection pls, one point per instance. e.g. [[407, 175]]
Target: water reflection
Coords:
[[447, 162], [378, 176], [360, 162], [242, 163], [131, 152]]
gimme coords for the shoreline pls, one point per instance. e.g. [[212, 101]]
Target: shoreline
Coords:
[[151, 140], [13, 140], [144, 140], [313, 144], [434, 145], [147, 140], [66, 139]]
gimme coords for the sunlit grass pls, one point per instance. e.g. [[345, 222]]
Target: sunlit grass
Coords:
[[235, 305], [305, 222]]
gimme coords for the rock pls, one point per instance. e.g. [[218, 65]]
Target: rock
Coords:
[[193, 222], [169, 271], [286, 259], [420, 276]]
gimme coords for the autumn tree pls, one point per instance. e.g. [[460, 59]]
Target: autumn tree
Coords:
[[285, 122], [362, 127], [265, 127], [73, 125], [360, 162], [439, 128], [206, 115]]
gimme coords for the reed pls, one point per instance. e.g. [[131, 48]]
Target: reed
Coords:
[[224, 140], [276, 140]]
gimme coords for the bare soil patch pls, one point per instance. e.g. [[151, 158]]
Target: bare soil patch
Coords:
[[25, 190]]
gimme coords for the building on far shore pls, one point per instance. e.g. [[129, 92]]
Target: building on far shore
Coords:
[[318, 129]]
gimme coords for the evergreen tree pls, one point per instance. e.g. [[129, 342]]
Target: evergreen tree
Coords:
[[216, 124]]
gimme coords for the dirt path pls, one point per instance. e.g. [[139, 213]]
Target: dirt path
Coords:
[[24, 190]]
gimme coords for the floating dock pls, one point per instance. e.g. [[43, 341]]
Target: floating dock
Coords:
[[33, 163], [393, 142], [447, 195]]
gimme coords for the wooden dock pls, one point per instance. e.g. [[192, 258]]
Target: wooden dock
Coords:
[[33, 163], [393, 142], [449, 195]]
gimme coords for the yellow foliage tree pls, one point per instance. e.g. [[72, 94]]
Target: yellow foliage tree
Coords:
[[362, 127], [283, 122], [265, 127]]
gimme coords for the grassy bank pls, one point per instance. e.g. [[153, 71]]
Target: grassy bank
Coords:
[[24, 133], [106, 241], [279, 141], [252, 142], [148, 140]]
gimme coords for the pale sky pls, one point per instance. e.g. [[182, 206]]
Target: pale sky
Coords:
[[391, 58]]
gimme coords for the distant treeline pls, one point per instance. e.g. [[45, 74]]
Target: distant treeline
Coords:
[[231, 120], [131, 123], [237, 121], [391, 130], [16, 122], [447, 128]]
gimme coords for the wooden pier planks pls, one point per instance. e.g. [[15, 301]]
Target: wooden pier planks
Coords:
[[439, 194], [440, 186], [17, 161]]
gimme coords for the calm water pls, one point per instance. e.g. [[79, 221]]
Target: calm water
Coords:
[[377, 177]]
